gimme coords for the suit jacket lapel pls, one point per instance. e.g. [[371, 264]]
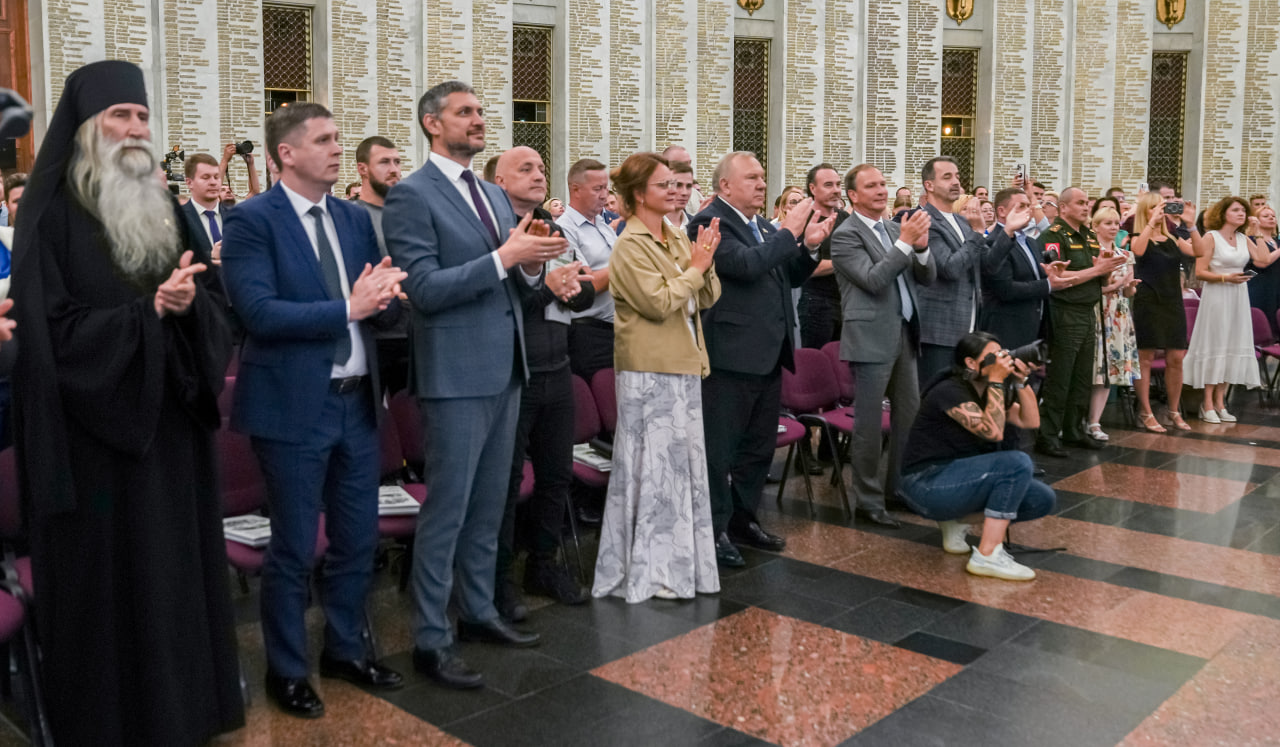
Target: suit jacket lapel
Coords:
[[299, 244], [348, 240], [452, 197]]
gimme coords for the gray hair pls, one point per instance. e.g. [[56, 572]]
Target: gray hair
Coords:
[[722, 167], [432, 102]]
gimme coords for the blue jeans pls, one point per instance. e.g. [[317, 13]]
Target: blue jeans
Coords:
[[999, 484]]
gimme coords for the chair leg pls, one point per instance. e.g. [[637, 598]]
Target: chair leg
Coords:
[[577, 543], [786, 469], [838, 473], [406, 560], [244, 582], [370, 640], [38, 719]]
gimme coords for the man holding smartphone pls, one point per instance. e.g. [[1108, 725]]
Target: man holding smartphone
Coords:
[[1074, 325]]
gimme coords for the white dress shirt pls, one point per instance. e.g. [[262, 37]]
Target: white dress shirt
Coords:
[[593, 240], [216, 207], [357, 364]]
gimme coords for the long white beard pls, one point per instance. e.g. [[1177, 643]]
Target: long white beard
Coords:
[[116, 182]]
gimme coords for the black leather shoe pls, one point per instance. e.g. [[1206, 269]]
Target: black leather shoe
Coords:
[[496, 631], [447, 668], [589, 515], [877, 516], [752, 535], [1084, 442], [363, 672], [294, 696], [1037, 470], [727, 556], [1050, 448]]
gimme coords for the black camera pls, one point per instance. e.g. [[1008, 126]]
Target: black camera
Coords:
[[1174, 207], [1034, 354], [171, 158], [245, 148]]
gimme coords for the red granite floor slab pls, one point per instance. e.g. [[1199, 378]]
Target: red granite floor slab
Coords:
[[1157, 487], [1230, 701], [787, 681], [1214, 449]]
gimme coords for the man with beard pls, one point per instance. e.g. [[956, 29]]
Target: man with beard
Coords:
[[123, 353], [378, 163], [949, 306], [470, 264]]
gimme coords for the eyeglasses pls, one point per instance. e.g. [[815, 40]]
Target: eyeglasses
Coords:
[[668, 184]]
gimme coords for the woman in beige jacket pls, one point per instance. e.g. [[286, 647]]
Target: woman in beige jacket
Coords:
[[656, 538]]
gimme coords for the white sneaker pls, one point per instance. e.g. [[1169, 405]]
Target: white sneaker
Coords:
[[1209, 416], [665, 593], [999, 564], [1226, 417], [953, 534]]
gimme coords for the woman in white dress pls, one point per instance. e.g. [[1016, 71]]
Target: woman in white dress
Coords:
[[656, 538], [1221, 350]]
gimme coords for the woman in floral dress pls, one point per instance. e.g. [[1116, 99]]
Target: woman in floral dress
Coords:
[[1117, 355]]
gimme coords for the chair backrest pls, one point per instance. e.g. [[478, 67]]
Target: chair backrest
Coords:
[[233, 365], [1191, 312], [408, 419], [586, 421], [10, 503], [244, 490], [844, 377], [1261, 327], [813, 386], [1191, 301], [606, 398], [392, 464]]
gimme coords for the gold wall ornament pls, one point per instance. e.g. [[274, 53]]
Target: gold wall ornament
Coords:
[[751, 6], [1171, 12], [960, 10]]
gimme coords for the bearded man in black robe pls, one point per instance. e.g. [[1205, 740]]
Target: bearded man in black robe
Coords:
[[122, 352]]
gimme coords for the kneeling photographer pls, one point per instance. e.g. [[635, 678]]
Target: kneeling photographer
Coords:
[[954, 464]]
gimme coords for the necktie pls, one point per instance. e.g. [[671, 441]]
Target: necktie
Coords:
[[332, 280], [481, 210], [755, 231], [214, 231], [903, 291]]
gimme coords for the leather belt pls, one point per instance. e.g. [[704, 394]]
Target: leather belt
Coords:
[[347, 385]]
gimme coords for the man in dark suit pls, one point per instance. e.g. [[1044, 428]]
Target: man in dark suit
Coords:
[[1015, 285], [749, 341], [948, 307], [204, 215], [879, 272], [469, 266], [305, 275]]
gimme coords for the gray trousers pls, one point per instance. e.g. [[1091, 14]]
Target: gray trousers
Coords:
[[872, 382], [469, 442]]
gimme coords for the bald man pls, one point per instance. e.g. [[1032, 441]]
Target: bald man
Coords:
[[544, 429]]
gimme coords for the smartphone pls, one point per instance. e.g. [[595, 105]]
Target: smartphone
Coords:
[[1020, 172], [1251, 273], [1142, 188]]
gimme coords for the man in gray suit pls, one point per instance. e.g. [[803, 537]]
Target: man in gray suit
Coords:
[[469, 265], [948, 307], [879, 271]]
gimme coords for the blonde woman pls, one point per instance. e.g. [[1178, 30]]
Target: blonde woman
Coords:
[[790, 197], [1221, 350], [1264, 290], [1117, 356], [656, 538], [1159, 318]]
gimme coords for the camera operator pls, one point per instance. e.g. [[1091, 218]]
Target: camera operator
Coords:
[[954, 464], [245, 151]]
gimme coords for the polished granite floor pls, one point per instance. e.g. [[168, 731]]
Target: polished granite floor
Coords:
[[1158, 624]]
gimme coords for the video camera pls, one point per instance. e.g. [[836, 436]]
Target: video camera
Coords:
[[15, 115], [174, 156]]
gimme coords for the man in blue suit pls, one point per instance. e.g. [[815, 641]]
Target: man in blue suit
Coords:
[[469, 266], [306, 278]]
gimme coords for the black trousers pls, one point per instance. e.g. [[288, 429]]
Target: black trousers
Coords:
[[544, 431], [590, 346], [1065, 394], [740, 422], [820, 318]]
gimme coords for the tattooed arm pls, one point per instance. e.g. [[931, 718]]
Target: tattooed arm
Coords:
[[986, 424]]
